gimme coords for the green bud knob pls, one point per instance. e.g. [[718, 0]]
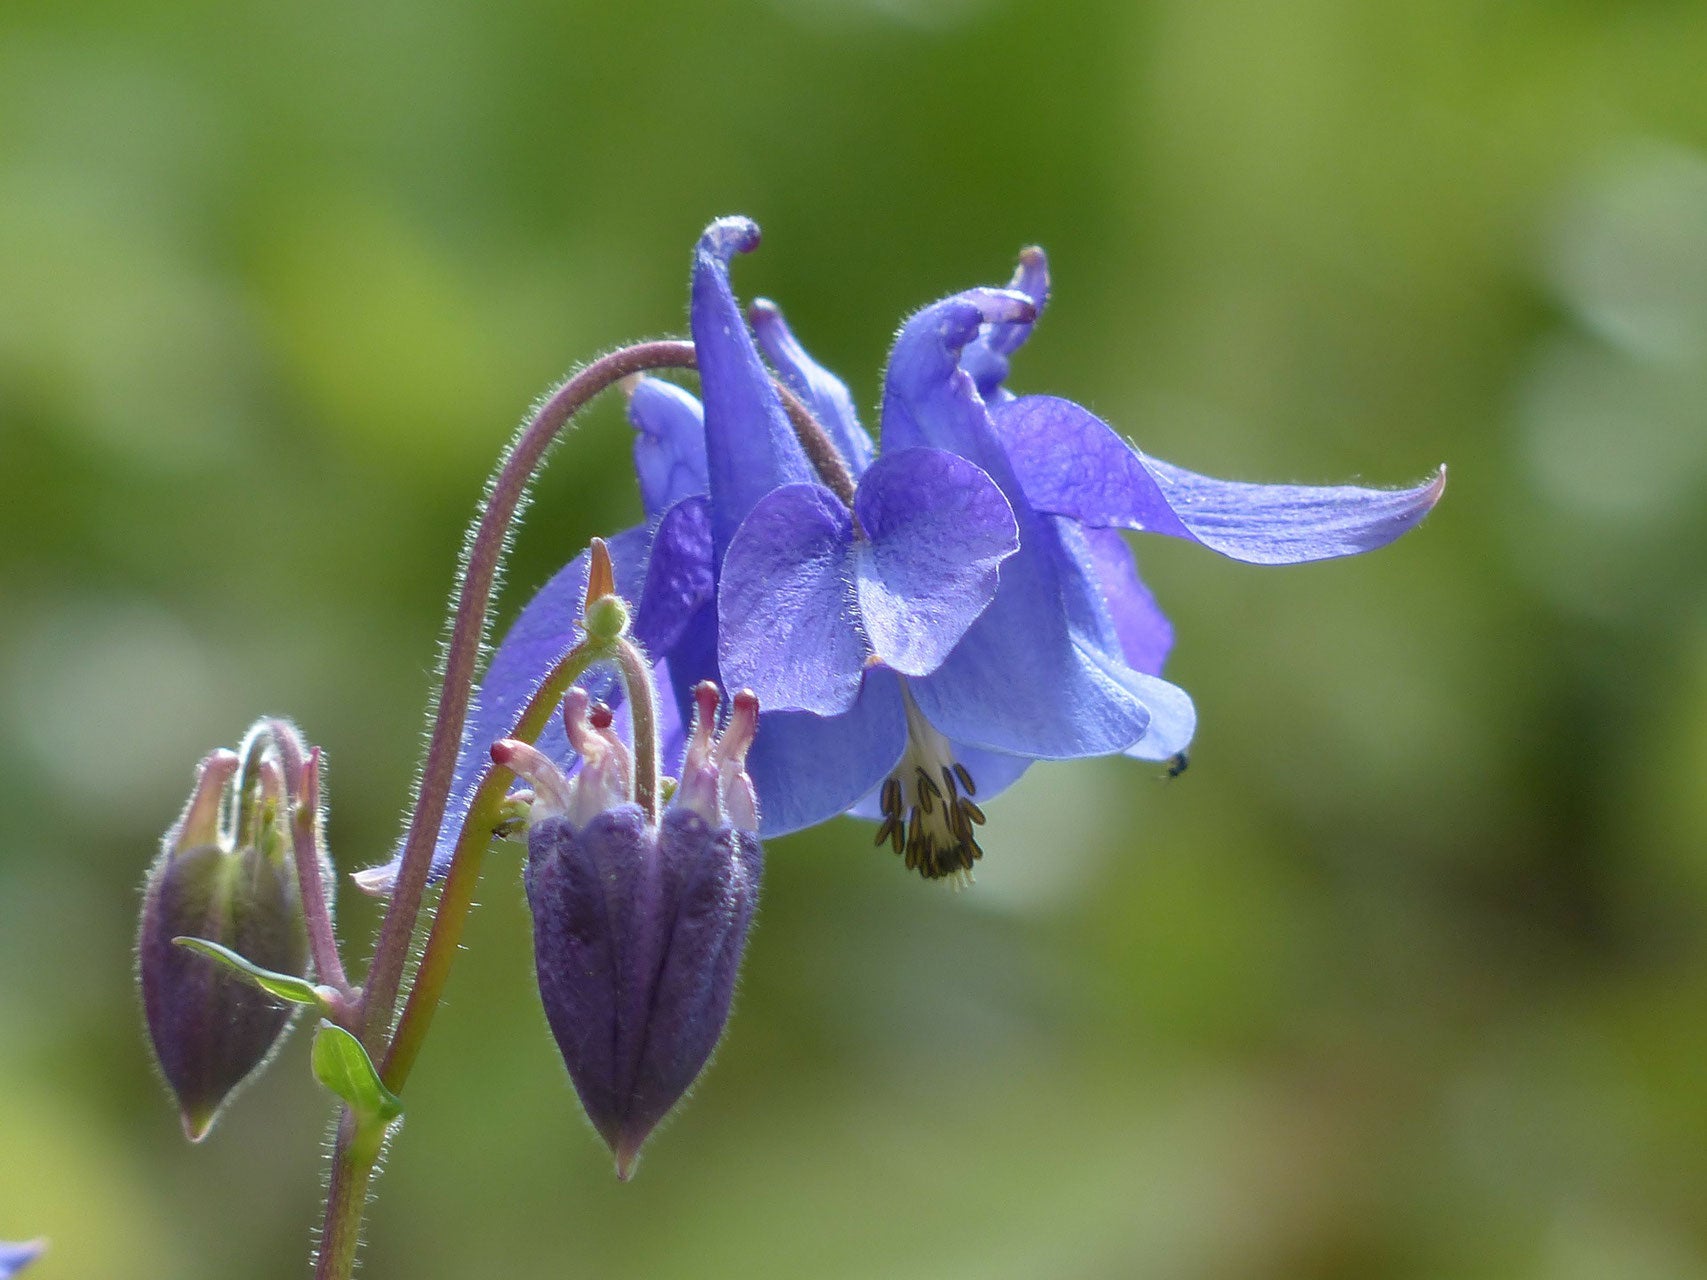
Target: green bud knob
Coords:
[[226, 874], [606, 618]]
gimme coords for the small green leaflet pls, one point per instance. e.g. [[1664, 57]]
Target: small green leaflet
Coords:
[[283, 985], [342, 1065]]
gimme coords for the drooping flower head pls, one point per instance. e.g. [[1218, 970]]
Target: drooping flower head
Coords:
[[1061, 660], [925, 618], [639, 923]]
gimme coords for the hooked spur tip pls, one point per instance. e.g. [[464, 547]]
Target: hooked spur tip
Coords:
[[729, 236]]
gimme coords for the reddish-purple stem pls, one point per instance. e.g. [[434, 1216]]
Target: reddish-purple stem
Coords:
[[302, 786], [473, 602]]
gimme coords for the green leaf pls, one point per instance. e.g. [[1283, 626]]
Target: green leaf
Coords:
[[342, 1065], [283, 985]]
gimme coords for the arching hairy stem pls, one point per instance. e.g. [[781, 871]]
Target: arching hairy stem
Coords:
[[473, 606], [468, 630]]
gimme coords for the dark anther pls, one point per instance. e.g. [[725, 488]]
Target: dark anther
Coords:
[[935, 844], [600, 716], [926, 790]]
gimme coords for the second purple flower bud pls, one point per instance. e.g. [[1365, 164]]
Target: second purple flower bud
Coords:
[[639, 920]]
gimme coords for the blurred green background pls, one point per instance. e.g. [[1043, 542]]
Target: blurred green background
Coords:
[[1406, 978]]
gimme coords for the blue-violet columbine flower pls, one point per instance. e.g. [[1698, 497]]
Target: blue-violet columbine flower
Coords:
[[639, 925], [974, 608], [895, 696]]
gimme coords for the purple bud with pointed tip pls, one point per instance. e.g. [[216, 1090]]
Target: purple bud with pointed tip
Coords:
[[225, 873], [639, 926]]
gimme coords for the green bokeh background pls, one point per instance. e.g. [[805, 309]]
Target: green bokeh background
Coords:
[[1407, 977]]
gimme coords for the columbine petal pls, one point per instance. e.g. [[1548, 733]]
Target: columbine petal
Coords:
[[1141, 629], [680, 575], [1072, 464], [806, 603], [927, 398], [936, 528], [986, 356], [669, 443], [1018, 681], [1173, 717], [806, 769], [750, 445], [1106, 603], [822, 391], [786, 607]]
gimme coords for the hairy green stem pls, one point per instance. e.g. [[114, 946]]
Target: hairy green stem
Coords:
[[355, 1155], [484, 815], [468, 630]]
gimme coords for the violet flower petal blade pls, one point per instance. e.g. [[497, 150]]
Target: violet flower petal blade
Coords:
[[1141, 628], [1017, 682], [541, 634], [821, 391], [1173, 718], [1021, 683], [807, 769], [787, 614], [1106, 603], [1073, 464], [750, 444], [936, 530], [680, 575], [669, 443]]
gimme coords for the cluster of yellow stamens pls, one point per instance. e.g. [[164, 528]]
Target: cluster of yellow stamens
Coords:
[[928, 810]]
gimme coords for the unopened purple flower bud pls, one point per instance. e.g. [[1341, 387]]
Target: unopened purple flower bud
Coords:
[[225, 874], [639, 926]]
